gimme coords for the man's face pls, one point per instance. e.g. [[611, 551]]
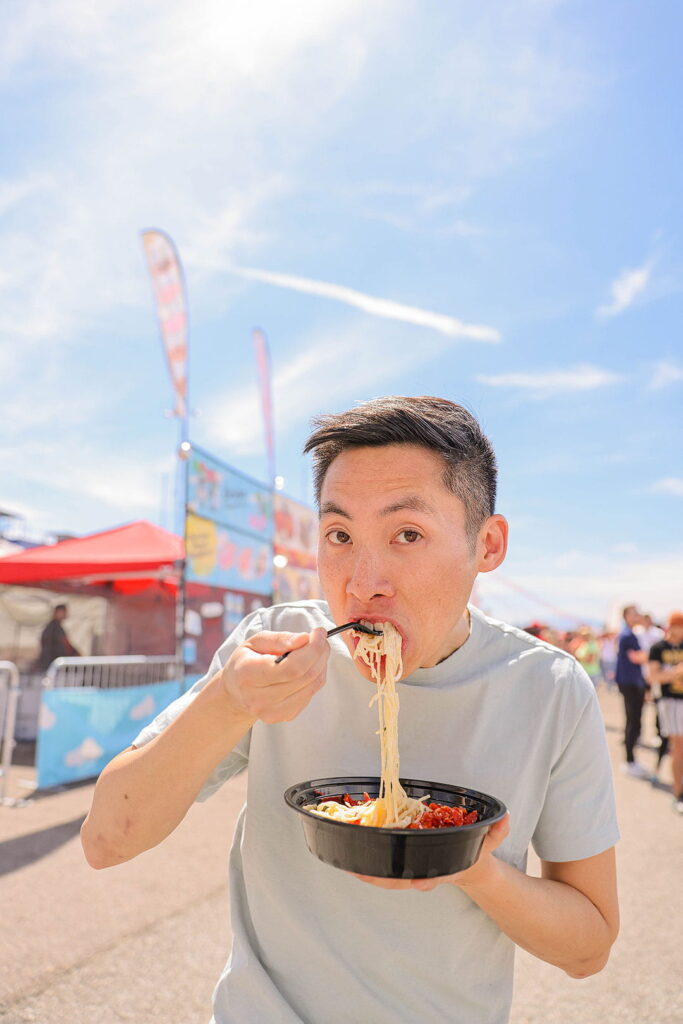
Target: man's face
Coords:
[[675, 635], [392, 546], [632, 617]]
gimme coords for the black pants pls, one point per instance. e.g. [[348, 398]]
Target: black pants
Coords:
[[663, 741], [633, 705]]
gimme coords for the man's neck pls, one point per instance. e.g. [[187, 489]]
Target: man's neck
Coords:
[[462, 634]]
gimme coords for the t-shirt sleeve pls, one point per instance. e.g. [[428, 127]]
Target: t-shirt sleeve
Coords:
[[579, 817], [238, 758], [629, 642]]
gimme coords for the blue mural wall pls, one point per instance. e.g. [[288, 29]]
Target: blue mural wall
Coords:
[[80, 729]]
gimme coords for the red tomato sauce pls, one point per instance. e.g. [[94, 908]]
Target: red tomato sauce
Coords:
[[435, 815]]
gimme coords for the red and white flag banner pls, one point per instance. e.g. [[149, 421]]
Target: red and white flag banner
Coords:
[[169, 293]]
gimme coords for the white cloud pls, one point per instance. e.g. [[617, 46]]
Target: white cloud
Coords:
[[568, 559], [626, 547], [387, 308], [664, 374], [412, 207], [669, 485], [152, 103], [233, 419], [594, 588], [203, 119], [625, 290], [546, 383], [172, 94], [116, 481], [12, 192]]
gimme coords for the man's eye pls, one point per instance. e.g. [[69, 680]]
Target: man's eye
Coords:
[[409, 536], [338, 537]]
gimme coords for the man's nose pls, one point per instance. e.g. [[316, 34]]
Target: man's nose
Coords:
[[368, 578]]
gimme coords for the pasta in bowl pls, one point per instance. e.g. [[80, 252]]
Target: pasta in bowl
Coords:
[[399, 852]]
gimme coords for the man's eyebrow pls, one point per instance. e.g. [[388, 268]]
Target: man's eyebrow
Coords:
[[328, 508], [413, 502]]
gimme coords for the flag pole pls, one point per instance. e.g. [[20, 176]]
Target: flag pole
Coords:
[[262, 352], [170, 294], [184, 455]]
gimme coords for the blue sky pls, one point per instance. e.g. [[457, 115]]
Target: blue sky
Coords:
[[504, 177]]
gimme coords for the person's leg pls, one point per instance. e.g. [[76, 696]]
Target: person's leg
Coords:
[[638, 702], [633, 705], [627, 723], [676, 745], [663, 740]]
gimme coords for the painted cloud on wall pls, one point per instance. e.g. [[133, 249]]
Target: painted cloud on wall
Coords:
[[143, 709], [89, 750]]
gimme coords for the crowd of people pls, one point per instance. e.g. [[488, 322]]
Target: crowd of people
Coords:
[[644, 661]]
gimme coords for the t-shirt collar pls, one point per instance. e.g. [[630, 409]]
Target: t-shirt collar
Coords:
[[454, 663]]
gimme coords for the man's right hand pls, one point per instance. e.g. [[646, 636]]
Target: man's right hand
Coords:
[[257, 688]]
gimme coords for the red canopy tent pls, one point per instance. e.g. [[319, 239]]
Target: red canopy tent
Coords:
[[136, 550]]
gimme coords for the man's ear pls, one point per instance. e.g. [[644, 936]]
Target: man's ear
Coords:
[[492, 543]]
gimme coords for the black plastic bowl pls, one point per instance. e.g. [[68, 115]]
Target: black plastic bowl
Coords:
[[394, 852]]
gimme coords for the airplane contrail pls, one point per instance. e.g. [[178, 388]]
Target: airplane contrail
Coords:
[[387, 308]]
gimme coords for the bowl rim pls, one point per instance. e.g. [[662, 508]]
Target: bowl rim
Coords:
[[448, 830]]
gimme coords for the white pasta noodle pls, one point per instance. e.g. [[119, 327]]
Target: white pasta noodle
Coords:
[[393, 808]]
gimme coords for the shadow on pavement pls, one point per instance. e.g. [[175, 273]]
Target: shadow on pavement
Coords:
[[17, 853]]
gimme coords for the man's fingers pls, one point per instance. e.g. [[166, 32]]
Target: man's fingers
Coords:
[[268, 642], [277, 692], [496, 834], [276, 644], [305, 660], [386, 883]]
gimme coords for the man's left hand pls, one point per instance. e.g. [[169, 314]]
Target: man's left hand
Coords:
[[462, 879]]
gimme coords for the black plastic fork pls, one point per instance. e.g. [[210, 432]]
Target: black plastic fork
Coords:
[[340, 629]]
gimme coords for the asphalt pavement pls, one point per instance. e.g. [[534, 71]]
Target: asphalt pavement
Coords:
[[145, 942]]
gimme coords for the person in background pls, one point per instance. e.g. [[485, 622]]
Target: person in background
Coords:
[[648, 635], [54, 643], [608, 658], [568, 641], [631, 683], [587, 653], [666, 671]]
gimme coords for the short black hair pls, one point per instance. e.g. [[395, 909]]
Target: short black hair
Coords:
[[450, 430], [60, 607]]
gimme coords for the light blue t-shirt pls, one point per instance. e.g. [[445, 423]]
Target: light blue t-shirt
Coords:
[[506, 714]]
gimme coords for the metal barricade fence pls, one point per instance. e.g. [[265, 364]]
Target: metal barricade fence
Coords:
[[113, 672], [9, 679]]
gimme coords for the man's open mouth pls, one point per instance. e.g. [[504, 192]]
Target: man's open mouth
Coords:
[[375, 622]]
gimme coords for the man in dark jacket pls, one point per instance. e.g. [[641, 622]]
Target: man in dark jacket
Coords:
[[631, 683], [54, 643]]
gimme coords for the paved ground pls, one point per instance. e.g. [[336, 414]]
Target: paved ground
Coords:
[[145, 942]]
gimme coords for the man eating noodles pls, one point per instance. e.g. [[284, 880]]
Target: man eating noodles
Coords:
[[406, 491]]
